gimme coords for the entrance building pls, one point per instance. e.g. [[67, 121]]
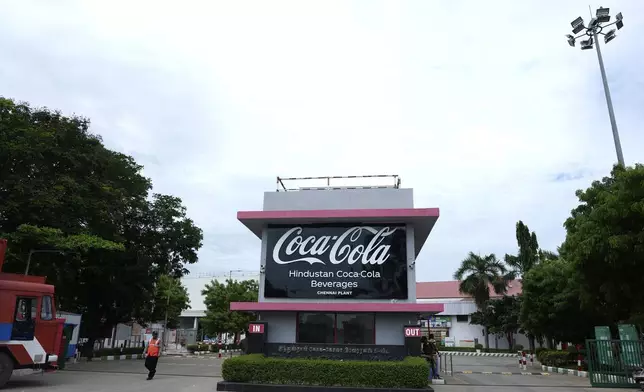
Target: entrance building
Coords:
[[337, 271]]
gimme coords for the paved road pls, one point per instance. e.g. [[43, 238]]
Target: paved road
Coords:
[[173, 374], [486, 374], [177, 374]]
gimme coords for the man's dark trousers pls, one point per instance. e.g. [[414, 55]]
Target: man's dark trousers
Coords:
[[151, 365]]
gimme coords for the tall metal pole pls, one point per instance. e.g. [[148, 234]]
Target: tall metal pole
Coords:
[[165, 323], [609, 103]]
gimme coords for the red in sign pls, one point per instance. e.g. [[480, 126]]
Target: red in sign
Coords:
[[256, 328], [412, 332]]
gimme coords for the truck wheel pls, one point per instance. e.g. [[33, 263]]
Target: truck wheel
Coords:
[[6, 368]]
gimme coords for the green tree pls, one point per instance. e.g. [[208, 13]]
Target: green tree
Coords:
[[500, 316], [477, 275], [219, 318], [528, 255], [605, 244], [550, 305], [61, 188], [171, 298]]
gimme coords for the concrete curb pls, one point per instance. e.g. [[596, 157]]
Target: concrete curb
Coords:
[[198, 353], [437, 381], [500, 373], [475, 354], [118, 357], [570, 372]]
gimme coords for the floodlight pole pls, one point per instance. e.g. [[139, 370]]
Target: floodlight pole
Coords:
[[609, 102]]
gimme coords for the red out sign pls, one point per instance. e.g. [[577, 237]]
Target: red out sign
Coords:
[[412, 332], [256, 328]]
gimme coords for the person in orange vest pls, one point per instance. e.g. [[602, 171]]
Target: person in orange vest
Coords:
[[152, 355]]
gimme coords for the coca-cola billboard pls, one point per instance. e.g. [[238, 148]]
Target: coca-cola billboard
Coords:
[[336, 261]]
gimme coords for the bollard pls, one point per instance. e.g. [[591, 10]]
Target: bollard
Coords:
[[579, 362], [451, 364]]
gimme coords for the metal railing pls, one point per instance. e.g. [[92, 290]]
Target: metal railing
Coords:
[[445, 363], [393, 182], [611, 363]]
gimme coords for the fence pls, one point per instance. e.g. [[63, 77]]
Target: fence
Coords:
[[611, 363], [445, 364]]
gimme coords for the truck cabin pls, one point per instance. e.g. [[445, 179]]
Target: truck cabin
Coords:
[[26, 305]]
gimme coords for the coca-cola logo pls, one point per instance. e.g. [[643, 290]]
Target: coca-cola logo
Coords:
[[345, 247]]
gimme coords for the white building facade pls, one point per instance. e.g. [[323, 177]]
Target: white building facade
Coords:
[[452, 326]]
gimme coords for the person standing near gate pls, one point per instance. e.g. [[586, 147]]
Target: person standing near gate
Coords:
[[152, 355]]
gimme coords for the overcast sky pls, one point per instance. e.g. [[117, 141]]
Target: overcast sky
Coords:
[[480, 106]]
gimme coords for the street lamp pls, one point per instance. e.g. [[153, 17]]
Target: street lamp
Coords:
[[591, 32]]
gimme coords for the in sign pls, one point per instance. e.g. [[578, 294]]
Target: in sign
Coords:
[[412, 332], [256, 328]]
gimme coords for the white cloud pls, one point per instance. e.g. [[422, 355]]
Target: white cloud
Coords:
[[479, 106]]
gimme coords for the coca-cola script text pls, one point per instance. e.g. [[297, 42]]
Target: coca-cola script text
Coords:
[[340, 248]]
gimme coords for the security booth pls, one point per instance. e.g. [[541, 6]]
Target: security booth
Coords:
[[337, 272]]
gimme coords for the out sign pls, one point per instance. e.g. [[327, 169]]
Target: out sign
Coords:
[[412, 332], [256, 328]]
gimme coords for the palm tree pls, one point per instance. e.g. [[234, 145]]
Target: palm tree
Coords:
[[477, 274]]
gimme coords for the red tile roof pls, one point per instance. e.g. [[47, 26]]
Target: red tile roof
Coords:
[[449, 289]]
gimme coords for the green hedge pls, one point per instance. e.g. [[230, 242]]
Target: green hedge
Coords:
[[562, 359], [413, 372]]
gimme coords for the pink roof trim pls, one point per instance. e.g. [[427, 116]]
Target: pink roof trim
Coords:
[[379, 307], [449, 289], [363, 213]]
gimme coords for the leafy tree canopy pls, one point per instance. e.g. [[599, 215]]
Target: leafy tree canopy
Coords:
[[528, 255], [62, 189], [171, 296], [605, 243], [500, 316], [550, 304], [478, 274], [219, 295]]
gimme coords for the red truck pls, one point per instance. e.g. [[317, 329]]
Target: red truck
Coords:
[[30, 332]]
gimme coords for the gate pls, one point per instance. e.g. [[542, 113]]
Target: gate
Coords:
[[611, 362]]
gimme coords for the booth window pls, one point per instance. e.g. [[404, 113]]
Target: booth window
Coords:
[[46, 308], [339, 328], [462, 318]]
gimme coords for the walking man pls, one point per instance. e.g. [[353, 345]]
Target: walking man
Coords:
[[152, 355]]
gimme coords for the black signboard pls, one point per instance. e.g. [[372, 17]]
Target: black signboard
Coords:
[[365, 352], [336, 262]]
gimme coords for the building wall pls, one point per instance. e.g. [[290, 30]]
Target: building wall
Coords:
[[389, 327], [339, 199], [463, 330]]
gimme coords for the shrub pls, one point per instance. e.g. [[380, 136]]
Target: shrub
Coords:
[[478, 346], [517, 347], [413, 372], [557, 358], [538, 352], [214, 348], [192, 348]]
